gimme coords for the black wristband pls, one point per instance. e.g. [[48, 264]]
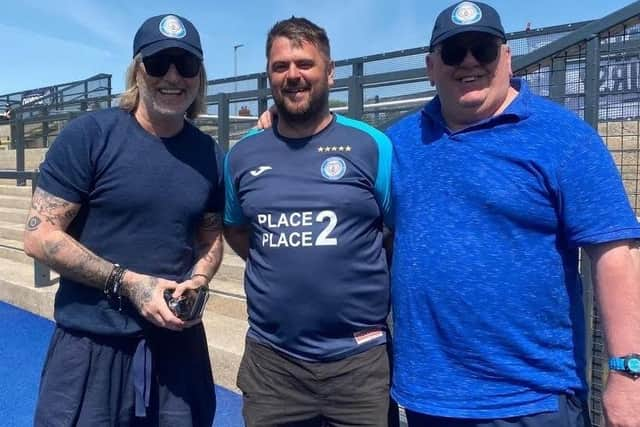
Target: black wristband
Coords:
[[113, 284]]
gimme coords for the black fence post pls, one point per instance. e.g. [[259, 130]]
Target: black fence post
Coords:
[[596, 355], [262, 99], [45, 127], [41, 272], [356, 107], [223, 121], [18, 140], [591, 82]]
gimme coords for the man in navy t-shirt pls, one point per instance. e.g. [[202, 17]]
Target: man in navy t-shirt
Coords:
[[128, 205], [305, 207], [494, 191]]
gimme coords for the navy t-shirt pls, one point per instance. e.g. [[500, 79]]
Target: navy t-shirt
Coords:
[[316, 278], [142, 199], [488, 309]]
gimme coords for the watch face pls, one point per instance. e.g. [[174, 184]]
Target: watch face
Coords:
[[633, 365]]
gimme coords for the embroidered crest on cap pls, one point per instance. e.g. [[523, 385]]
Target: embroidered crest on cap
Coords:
[[466, 13], [333, 168], [171, 26]]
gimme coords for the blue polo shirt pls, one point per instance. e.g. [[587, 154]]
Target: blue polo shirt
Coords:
[[488, 312], [316, 279]]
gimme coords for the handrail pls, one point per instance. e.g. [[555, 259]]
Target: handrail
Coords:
[[521, 63], [58, 90]]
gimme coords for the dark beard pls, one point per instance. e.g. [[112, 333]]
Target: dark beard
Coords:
[[317, 105]]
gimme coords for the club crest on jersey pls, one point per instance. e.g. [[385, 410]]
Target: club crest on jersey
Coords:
[[333, 168], [171, 26], [466, 13]]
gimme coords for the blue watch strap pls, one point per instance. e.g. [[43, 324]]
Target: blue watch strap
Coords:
[[616, 364]]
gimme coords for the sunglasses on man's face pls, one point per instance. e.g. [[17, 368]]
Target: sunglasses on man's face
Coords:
[[157, 65], [484, 49]]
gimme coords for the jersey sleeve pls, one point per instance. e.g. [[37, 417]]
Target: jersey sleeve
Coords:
[[67, 171], [383, 177], [232, 210], [593, 203]]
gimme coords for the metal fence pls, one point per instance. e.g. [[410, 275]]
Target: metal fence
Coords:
[[592, 68]]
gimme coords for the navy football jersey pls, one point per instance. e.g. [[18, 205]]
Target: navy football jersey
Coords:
[[316, 278]]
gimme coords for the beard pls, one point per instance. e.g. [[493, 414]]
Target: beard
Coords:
[[300, 114]]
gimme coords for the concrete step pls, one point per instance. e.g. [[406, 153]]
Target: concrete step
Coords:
[[14, 190], [16, 288], [229, 271], [13, 215], [13, 250], [225, 338], [11, 231], [15, 202]]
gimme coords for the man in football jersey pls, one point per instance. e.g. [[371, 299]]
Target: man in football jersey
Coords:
[[305, 206]]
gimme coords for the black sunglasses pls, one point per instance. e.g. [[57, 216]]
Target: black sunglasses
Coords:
[[157, 65], [484, 49]]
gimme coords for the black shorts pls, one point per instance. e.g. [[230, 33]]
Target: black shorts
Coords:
[[572, 412], [279, 390], [87, 380]]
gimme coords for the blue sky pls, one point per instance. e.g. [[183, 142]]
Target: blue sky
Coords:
[[46, 42]]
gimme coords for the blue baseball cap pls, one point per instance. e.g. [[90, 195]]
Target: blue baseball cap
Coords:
[[164, 32], [464, 17]]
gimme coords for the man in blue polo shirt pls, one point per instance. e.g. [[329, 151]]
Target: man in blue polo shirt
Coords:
[[305, 208], [494, 191]]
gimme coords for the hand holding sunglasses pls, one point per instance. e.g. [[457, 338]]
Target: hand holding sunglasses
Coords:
[[157, 65]]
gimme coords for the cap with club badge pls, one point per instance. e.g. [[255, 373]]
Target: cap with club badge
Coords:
[[464, 17], [164, 32]]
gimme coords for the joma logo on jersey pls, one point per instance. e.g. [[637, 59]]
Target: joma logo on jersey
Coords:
[[259, 171]]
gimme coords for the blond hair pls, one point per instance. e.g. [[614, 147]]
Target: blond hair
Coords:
[[129, 99]]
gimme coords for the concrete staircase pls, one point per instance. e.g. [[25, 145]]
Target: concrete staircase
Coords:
[[225, 319]]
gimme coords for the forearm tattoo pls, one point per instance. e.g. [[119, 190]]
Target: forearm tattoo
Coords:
[[71, 259], [140, 292], [54, 210], [210, 242]]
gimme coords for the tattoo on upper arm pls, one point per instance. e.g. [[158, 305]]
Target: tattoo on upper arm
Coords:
[[212, 221], [33, 223], [54, 210]]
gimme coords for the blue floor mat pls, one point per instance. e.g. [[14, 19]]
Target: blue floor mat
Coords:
[[23, 345]]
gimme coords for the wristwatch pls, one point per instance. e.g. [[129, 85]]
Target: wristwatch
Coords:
[[629, 364]]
